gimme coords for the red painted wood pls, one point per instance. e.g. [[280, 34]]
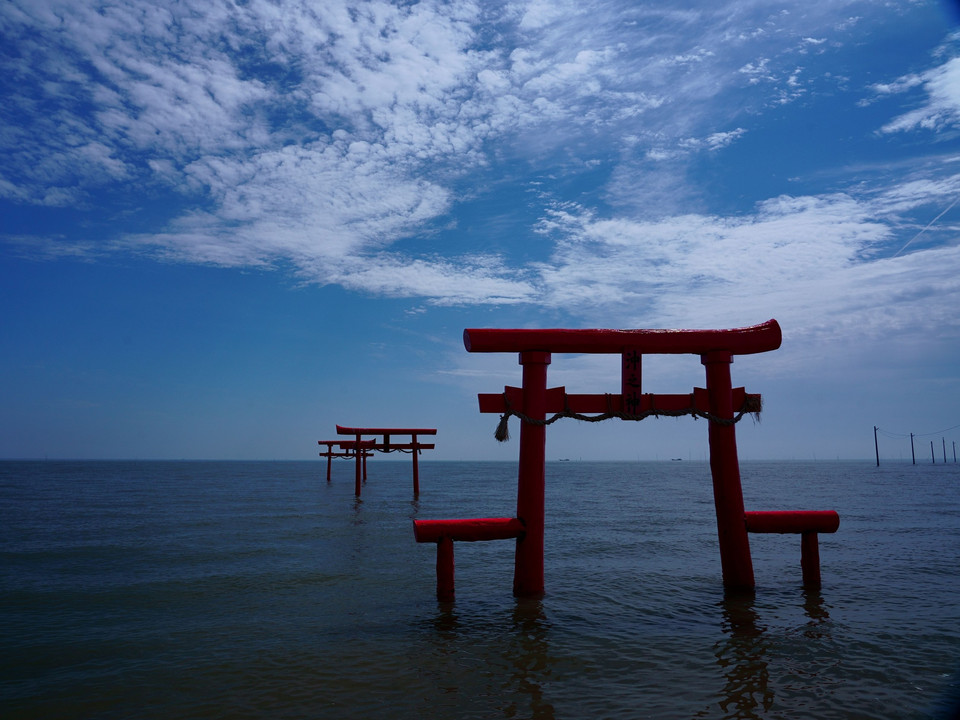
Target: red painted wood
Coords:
[[445, 570], [385, 431], [470, 530], [739, 341], [792, 521], [348, 449], [735, 561], [810, 560], [557, 400], [719, 399], [631, 368], [387, 446], [444, 532], [415, 452], [531, 481]]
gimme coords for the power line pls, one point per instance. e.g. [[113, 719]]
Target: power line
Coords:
[[888, 433], [913, 436], [937, 432]]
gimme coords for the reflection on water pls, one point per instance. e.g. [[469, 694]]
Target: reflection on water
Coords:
[[815, 609], [743, 658], [528, 652], [517, 658], [744, 655]]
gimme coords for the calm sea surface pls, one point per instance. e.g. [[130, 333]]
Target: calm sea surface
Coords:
[[258, 590]]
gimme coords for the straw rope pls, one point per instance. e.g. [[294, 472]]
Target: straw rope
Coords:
[[502, 433]]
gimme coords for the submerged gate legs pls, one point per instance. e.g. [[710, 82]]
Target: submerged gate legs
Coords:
[[720, 404]]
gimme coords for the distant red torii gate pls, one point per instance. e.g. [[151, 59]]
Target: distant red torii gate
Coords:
[[386, 445], [348, 449], [720, 403]]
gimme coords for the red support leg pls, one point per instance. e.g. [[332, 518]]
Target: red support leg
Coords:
[[445, 586], [416, 468], [329, 461], [737, 566], [359, 469], [531, 484], [810, 560]]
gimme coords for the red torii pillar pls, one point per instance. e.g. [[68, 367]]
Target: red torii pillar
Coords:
[[387, 446], [532, 479], [716, 348], [735, 559]]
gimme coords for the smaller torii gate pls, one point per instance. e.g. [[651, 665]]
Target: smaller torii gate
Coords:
[[719, 403], [386, 445], [348, 448]]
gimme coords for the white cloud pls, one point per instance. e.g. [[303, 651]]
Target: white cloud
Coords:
[[814, 262], [941, 108], [472, 280], [714, 141], [320, 134]]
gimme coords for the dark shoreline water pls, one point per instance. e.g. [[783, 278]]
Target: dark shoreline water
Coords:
[[254, 589]]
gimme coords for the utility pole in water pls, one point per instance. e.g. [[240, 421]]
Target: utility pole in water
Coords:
[[876, 446], [932, 456], [912, 454]]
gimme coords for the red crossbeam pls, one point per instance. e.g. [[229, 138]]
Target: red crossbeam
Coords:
[[470, 530], [806, 523], [353, 444], [557, 400], [792, 521], [444, 532], [739, 341]]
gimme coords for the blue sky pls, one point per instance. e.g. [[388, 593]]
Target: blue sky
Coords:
[[226, 227]]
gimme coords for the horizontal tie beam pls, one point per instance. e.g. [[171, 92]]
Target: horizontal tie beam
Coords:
[[557, 401], [792, 521], [471, 530]]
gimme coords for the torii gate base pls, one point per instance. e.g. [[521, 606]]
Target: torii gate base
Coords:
[[720, 403]]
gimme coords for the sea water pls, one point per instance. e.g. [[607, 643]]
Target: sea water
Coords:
[[255, 590]]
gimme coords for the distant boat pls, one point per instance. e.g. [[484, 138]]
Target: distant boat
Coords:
[[564, 460], [675, 459]]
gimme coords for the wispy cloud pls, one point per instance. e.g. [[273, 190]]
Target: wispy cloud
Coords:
[[806, 258], [940, 108]]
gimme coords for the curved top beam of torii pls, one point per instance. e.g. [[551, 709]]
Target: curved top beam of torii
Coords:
[[738, 341]]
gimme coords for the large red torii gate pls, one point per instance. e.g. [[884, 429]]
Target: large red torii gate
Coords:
[[386, 445], [720, 403]]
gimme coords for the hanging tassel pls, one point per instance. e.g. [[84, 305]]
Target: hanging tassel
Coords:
[[502, 432]]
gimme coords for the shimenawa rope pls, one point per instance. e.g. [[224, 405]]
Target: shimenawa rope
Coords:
[[502, 433]]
